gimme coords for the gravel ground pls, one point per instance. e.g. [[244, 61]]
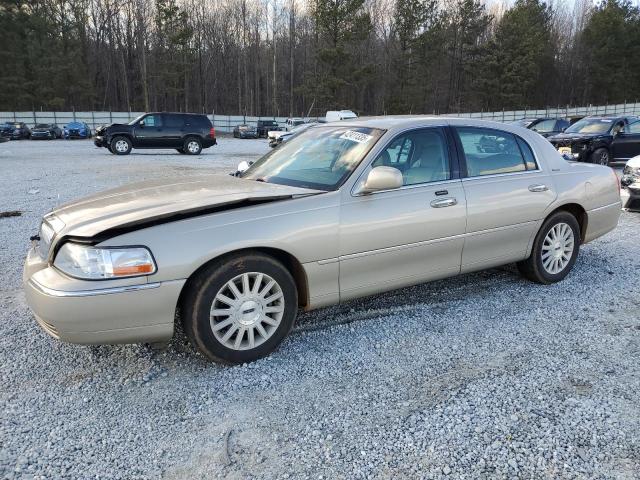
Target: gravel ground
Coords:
[[480, 376]]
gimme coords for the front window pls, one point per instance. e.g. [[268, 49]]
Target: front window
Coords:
[[42, 125], [321, 158], [591, 125], [420, 155]]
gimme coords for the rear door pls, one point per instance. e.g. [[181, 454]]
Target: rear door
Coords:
[[626, 144], [394, 238], [173, 129], [507, 192]]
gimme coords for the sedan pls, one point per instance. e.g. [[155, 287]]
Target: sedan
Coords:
[[245, 131], [341, 211], [77, 130], [46, 131]]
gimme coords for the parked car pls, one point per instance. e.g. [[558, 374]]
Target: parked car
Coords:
[[600, 139], [188, 133], [337, 115], [341, 211], [15, 130], [264, 126], [277, 137], [544, 126], [292, 123], [76, 130], [630, 182], [47, 131], [245, 131]]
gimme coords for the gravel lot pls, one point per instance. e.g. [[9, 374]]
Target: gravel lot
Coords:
[[480, 376]]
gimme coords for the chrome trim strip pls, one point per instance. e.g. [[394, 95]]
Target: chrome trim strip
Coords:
[[90, 293], [614, 204]]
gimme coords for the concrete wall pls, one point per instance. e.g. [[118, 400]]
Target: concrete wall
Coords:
[[225, 123]]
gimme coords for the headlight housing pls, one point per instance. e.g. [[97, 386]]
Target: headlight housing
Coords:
[[99, 263]]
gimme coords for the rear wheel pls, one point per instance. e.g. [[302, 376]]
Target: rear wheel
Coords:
[[600, 156], [120, 146], [554, 251], [192, 146], [239, 309]]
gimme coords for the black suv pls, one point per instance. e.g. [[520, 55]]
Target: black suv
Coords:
[[188, 133], [600, 140], [266, 126]]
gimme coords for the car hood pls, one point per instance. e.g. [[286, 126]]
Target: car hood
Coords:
[[148, 203], [575, 137]]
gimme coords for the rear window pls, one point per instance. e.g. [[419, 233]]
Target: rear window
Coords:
[[198, 121], [491, 152]]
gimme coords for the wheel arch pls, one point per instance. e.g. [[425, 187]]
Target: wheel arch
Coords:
[[290, 262], [578, 212]]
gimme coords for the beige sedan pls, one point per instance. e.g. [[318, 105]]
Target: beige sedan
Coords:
[[340, 211]]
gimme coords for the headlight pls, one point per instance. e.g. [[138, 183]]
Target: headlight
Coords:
[[95, 263]]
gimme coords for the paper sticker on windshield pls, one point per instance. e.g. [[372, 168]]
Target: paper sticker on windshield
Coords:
[[604, 120], [356, 136]]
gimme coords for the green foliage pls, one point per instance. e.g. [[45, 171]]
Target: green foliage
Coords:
[[519, 57], [341, 26], [611, 42]]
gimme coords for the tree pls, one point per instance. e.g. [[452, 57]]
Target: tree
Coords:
[[341, 26], [519, 58], [611, 45]]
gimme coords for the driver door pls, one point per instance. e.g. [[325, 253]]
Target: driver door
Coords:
[[626, 144], [394, 238], [149, 132]]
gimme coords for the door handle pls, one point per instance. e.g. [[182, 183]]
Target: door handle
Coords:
[[445, 202], [538, 188]]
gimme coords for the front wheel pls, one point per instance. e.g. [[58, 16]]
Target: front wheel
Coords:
[[600, 156], [241, 308], [554, 251], [120, 146], [192, 146]]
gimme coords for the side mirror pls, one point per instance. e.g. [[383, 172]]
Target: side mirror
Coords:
[[242, 167], [141, 123], [381, 178]]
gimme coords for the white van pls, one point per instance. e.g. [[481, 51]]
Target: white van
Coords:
[[335, 115]]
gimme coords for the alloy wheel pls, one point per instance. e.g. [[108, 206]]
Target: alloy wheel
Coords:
[[247, 311], [193, 146], [557, 248], [122, 146]]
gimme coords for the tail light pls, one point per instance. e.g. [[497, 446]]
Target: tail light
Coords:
[[212, 132], [617, 179]]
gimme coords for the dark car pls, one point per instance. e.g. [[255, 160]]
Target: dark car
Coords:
[[188, 133], [266, 126], [15, 130], [245, 131], [46, 131], [77, 130], [545, 126], [600, 140]]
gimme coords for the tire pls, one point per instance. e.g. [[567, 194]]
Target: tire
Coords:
[[192, 146], [120, 145], [600, 156], [180, 150], [202, 298], [546, 271]]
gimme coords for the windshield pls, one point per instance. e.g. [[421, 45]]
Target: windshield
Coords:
[[591, 125], [42, 125], [136, 120], [320, 157]]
